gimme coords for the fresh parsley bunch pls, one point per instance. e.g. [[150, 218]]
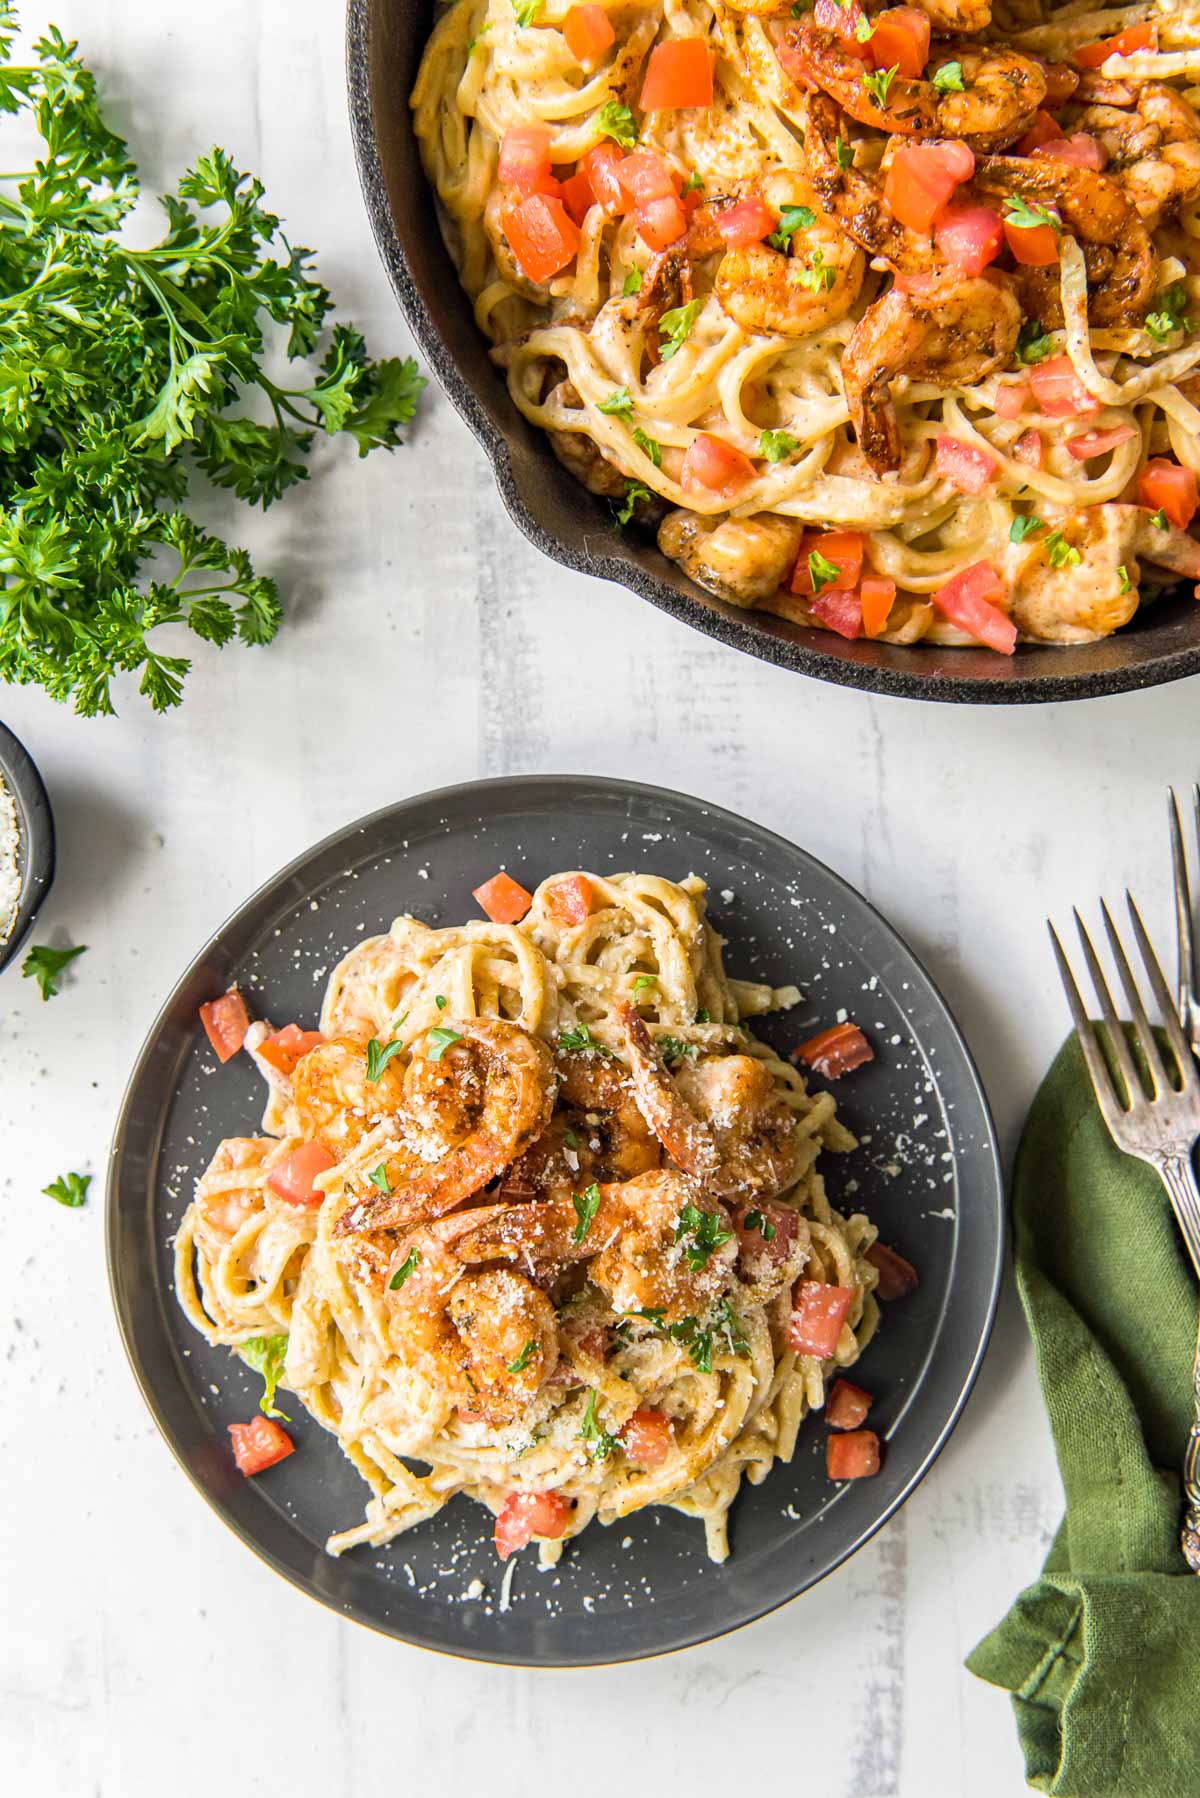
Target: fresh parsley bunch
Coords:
[[120, 371]]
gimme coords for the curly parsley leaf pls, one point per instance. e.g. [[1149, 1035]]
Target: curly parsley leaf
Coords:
[[122, 371], [673, 1049], [843, 154], [816, 276], [949, 78], [633, 283], [378, 1056], [635, 492], [616, 121], [441, 1036], [675, 326], [1027, 215], [586, 1204], [1171, 313], [791, 220], [408, 1266], [1060, 553], [1033, 344], [522, 1361], [600, 1443], [1022, 527], [878, 84], [648, 446], [821, 572], [618, 404], [265, 1355], [69, 1189], [704, 1228], [777, 446], [46, 965], [379, 1177]]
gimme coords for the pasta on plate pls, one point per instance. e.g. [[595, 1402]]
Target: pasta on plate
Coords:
[[886, 319], [533, 1217]]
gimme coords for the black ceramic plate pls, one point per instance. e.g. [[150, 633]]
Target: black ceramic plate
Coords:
[[385, 39], [927, 1170], [35, 836]]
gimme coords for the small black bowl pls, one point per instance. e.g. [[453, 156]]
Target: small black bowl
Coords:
[[384, 45], [35, 838]]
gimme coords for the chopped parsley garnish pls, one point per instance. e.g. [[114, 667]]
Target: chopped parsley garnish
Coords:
[[523, 1359], [755, 1220], [777, 446], [1160, 522], [949, 78], [379, 1177], [46, 965], [648, 446], [634, 493], [675, 326], [618, 403], [408, 1266], [440, 1001], [644, 980], [1171, 315], [704, 1016], [616, 121], [672, 1049], [526, 11], [633, 284], [570, 1138], [843, 154], [791, 220], [1026, 217], [722, 1329], [378, 1056], [441, 1036], [1060, 553], [1033, 344], [817, 275], [590, 1431], [265, 1355], [1020, 528], [586, 1204], [577, 1037], [1126, 583], [704, 1227], [877, 85], [820, 572], [694, 184], [69, 1189]]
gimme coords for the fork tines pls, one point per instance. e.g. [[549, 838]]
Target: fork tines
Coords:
[[1189, 1001]]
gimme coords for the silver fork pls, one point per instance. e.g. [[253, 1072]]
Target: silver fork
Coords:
[[1160, 1127], [1189, 1000]]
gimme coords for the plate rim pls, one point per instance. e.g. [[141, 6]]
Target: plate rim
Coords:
[[35, 838], [527, 784]]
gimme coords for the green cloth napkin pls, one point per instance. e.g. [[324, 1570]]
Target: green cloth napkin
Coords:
[[1102, 1653]]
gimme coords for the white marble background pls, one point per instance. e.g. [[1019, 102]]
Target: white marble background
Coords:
[[141, 1646]]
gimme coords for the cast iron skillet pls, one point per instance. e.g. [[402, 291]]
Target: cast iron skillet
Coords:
[[35, 837], [384, 43], [927, 1171]]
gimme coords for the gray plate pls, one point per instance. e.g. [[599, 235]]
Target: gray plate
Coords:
[[927, 1171], [35, 838]]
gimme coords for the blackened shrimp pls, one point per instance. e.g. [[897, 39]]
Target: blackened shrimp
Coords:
[[596, 1134], [955, 338], [856, 199], [1153, 148]]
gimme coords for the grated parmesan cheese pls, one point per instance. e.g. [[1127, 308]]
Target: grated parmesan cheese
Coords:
[[10, 872]]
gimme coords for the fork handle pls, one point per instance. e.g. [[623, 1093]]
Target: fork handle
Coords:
[[1179, 1177]]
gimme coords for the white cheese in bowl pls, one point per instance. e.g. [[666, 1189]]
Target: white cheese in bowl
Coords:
[[10, 872]]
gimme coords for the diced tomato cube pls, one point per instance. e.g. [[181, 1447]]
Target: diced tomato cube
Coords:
[[285, 1047], [1058, 390], [1034, 246], [836, 1051], [525, 159], [661, 222], [259, 1444], [525, 1515], [715, 465], [648, 1438], [678, 74], [967, 601], [897, 1277], [1044, 130], [847, 1405], [1012, 397], [589, 33], [293, 1179], [900, 40], [543, 236], [819, 1311], [569, 901], [964, 466], [1166, 487], [852, 1457], [645, 176], [1080, 151], [922, 178], [577, 196], [1086, 444], [843, 550], [600, 166], [970, 237], [1030, 449], [226, 1022], [877, 596], [1125, 43], [502, 899], [840, 610], [746, 223]]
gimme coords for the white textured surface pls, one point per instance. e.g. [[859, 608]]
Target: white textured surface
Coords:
[[427, 643]]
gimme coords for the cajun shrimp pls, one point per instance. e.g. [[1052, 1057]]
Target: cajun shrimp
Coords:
[[333, 1100], [581, 454], [228, 1193], [742, 560], [856, 200], [597, 1133], [485, 1337], [955, 337], [1122, 263], [1089, 600], [1001, 91], [721, 1120], [650, 1244], [1153, 148], [468, 1111], [797, 291]]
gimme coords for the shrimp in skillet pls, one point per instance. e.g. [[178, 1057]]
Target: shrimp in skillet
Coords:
[[856, 200], [742, 560], [955, 337], [596, 1133], [1153, 148], [468, 1111]]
